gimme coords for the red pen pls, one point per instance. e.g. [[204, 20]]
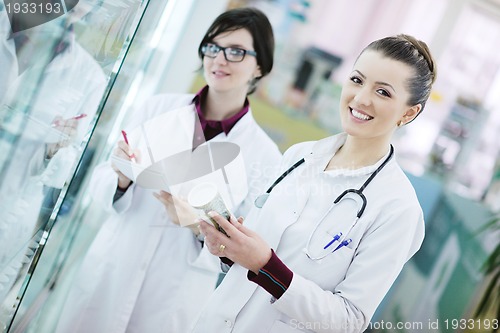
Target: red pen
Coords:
[[79, 116], [76, 117], [126, 141]]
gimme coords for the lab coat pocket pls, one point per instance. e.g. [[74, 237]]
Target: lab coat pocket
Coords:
[[281, 327], [331, 270]]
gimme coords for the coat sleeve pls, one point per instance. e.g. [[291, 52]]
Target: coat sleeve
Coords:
[[104, 181], [376, 264], [102, 188]]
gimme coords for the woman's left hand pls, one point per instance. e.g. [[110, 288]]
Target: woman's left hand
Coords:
[[68, 129], [179, 211], [243, 246]]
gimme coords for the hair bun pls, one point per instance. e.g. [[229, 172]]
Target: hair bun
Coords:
[[424, 51]]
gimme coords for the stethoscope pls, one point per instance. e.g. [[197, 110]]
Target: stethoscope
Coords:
[[340, 237]]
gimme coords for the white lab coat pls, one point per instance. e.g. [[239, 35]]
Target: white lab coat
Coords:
[[72, 83], [143, 273], [341, 292]]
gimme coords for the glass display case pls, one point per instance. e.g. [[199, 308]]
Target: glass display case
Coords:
[[55, 79]]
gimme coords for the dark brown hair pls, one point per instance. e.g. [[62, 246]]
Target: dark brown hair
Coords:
[[417, 55], [257, 24]]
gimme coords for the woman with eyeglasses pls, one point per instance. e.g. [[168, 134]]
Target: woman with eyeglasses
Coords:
[[328, 239], [144, 272]]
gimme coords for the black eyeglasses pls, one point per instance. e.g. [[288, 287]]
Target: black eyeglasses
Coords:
[[232, 54]]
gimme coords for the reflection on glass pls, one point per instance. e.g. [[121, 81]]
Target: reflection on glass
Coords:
[[49, 102], [52, 93], [104, 32]]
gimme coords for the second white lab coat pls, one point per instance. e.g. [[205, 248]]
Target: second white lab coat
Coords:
[[341, 292], [143, 273], [72, 83]]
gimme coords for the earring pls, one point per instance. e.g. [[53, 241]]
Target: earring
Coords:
[[400, 123]]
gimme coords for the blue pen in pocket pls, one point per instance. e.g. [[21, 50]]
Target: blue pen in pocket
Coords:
[[344, 243], [335, 238]]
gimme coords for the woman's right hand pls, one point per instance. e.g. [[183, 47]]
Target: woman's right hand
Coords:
[[123, 151], [239, 244]]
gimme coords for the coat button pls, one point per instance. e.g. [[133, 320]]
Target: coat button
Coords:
[[228, 323]]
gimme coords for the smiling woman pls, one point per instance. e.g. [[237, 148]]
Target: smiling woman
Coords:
[[145, 271], [257, 37], [230, 74], [336, 229], [374, 98]]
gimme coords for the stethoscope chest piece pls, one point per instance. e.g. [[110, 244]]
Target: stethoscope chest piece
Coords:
[[261, 200]]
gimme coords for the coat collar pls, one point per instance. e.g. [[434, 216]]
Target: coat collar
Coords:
[[237, 130], [223, 125], [187, 121], [328, 146], [323, 150]]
